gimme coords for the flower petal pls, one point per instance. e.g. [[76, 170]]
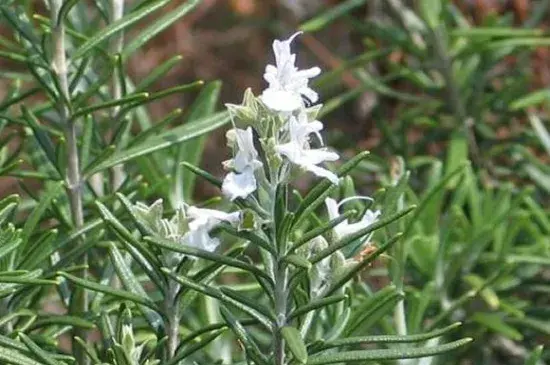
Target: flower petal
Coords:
[[281, 100], [321, 172], [332, 208], [239, 185]]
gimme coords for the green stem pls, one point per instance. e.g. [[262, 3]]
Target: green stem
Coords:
[[280, 276], [281, 297], [73, 178], [398, 272], [172, 310], [117, 10]]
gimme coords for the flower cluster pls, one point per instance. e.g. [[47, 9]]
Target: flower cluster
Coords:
[[190, 226], [272, 134], [284, 125]]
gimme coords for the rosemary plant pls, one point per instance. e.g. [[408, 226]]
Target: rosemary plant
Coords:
[[107, 257]]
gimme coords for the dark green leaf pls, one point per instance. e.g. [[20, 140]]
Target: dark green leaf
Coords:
[[218, 294], [327, 17], [165, 140], [118, 26], [317, 304], [132, 284], [247, 341], [298, 261], [211, 256], [46, 358], [421, 337], [387, 354], [158, 26], [121, 294]]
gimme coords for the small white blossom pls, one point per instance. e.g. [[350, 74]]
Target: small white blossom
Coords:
[[241, 182], [298, 150], [202, 221], [345, 228], [190, 226], [287, 84]]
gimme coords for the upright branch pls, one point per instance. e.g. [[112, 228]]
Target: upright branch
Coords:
[[282, 124], [117, 10], [73, 177], [284, 119]]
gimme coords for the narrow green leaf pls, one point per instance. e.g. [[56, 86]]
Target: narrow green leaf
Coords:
[[324, 19], [317, 304], [41, 137], [218, 294], [505, 32], [165, 140], [311, 200], [431, 12], [250, 236], [541, 131], [61, 320], [386, 354], [167, 92], [118, 26], [18, 98], [129, 99], [373, 310], [496, 323], [519, 42], [13, 56], [9, 247], [158, 26], [33, 219], [254, 304], [121, 294], [25, 280], [295, 343], [457, 155], [432, 194], [65, 9], [298, 261], [532, 99], [205, 175], [46, 358], [211, 256], [15, 357], [144, 257], [132, 284], [247, 341], [322, 229], [191, 151], [157, 73], [155, 128], [535, 356], [421, 337], [185, 352], [103, 156]]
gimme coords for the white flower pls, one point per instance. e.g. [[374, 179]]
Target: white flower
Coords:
[[345, 228], [299, 152], [241, 182], [287, 84], [202, 221], [190, 226]]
